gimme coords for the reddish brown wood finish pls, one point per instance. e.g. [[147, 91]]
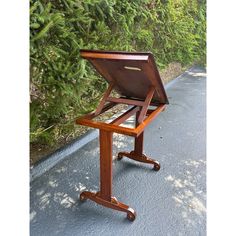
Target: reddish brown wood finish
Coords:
[[138, 142], [149, 119], [126, 101], [105, 165], [118, 129], [137, 154], [146, 104], [96, 54], [121, 119], [113, 203], [129, 83], [104, 99], [146, 90], [104, 196], [107, 127]]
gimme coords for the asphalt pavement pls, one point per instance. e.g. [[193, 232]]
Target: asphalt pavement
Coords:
[[170, 202]]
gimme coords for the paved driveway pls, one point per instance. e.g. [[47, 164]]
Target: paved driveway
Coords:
[[169, 202]]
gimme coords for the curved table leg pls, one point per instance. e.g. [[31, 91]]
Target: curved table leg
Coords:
[[141, 158], [137, 154], [113, 203]]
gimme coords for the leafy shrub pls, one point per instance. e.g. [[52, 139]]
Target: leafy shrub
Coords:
[[63, 86]]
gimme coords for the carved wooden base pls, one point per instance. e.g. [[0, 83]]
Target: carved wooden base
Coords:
[[111, 203], [141, 158]]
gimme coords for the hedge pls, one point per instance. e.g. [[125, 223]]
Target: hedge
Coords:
[[63, 86]]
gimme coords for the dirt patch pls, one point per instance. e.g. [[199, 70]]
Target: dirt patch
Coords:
[[173, 70], [39, 152]]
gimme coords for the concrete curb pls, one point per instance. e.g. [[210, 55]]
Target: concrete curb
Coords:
[[52, 159]]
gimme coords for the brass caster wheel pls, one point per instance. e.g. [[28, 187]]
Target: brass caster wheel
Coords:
[[131, 216], [120, 156], [157, 166], [82, 198]]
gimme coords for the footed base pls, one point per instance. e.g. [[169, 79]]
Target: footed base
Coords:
[[111, 202], [141, 158]]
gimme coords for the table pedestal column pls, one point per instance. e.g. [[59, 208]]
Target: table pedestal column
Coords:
[[104, 196]]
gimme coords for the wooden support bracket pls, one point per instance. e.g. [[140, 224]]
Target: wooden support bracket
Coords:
[[146, 104], [104, 99]]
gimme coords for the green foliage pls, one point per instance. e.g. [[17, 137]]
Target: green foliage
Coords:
[[63, 86]]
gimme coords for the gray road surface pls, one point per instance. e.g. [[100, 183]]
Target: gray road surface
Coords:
[[170, 202]]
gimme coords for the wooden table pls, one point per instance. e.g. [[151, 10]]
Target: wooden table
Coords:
[[136, 78]]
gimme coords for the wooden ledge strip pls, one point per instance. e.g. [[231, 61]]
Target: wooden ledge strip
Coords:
[[119, 120], [114, 56], [119, 129], [126, 101], [107, 127]]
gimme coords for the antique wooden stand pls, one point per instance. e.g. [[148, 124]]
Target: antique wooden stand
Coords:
[[135, 77]]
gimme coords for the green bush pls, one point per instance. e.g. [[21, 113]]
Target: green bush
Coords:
[[63, 86]]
